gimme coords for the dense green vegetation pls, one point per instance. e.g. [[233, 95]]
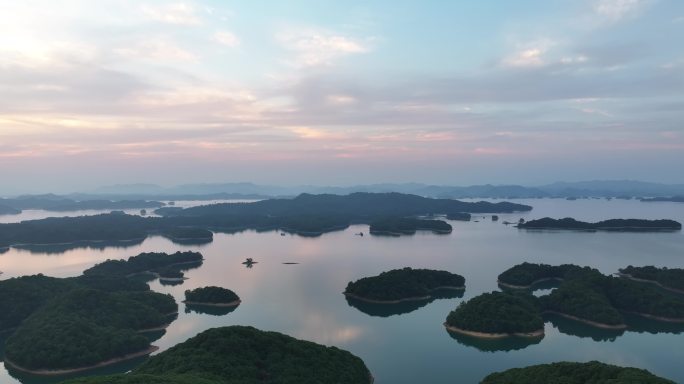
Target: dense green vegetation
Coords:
[[21, 296], [245, 355], [588, 294], [396, 226], [627, 225], [75, 322], [211, 295], [498, 312], [80, 321], [527, 274], [406, 283], [85, 327], [592, 372], [144, 262], [669, 278]]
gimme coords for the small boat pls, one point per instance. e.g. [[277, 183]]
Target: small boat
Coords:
[[282, 233], [360, 234]]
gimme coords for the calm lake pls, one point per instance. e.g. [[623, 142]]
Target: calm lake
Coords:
[[305, 300]]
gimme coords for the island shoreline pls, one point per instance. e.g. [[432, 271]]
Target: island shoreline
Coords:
[[398, 301], [487, 335], [61, 372], [207, 304]]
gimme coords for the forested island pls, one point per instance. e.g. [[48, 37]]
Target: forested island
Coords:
[[668, 278], [212, 296], [404, 284], [309, 215], [618, 225], [154, 262], [246, 355], [586, 295], [398, 226], [459, 216], [497, 315], [575, 373], [62, 326]]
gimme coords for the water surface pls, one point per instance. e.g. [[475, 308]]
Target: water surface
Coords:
[[305, 300]]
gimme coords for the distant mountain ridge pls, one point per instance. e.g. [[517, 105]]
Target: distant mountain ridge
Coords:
[[595, 188]]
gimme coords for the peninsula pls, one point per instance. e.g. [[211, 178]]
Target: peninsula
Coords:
[[404, 284]]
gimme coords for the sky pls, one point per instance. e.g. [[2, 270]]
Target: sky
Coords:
[[339, 92]]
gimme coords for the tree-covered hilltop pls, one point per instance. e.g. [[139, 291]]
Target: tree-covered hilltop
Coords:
[[144, 262], [21, 296], [396, 226], [70, 323], [498, 313], [245, 355], [211, 295], [403, 284], [85, 327], [588, 295], [669, 278], [528, 274], [592, 372], [623, 225], [308, 215]]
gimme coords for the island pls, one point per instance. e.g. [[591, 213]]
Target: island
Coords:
[[404, 284], [212, 296], [63, 326], [150, 262], [584, 294], [671, 279], [459, 216], [189, 235], [497, 315], [305, 215], [574, 373], [397, 226], [616, 225], [239, 354]]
